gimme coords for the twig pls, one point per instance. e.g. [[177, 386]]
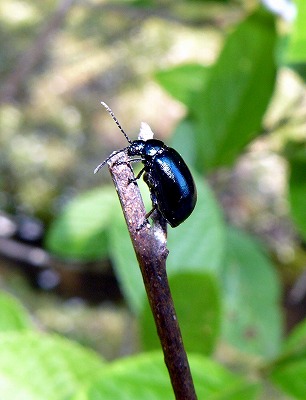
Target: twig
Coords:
[[151, 252]]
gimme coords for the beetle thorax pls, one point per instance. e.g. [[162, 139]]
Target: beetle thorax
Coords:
[[153, 147]]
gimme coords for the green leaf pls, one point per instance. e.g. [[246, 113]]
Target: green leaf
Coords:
[[124, 259], [125, 264], [209, 1], [81, 230], [230, 109], [296, 42], [13, 317], [296, 341], [183, 81], [183, 140], [145, 377], [199, 243], [296, 53], [252, 320], [142, 3], [196, 245], [289, 370], [36, 367], [296, 154], [291, 377], [197, 303]]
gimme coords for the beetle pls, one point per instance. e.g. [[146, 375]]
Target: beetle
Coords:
[[172, 188]]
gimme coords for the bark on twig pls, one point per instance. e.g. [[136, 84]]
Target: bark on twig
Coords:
[[151, 252]]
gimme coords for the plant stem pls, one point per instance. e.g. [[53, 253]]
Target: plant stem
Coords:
[[151, 252]]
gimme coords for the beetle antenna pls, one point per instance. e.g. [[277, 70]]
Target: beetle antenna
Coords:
[[116, 121], [97, 169]]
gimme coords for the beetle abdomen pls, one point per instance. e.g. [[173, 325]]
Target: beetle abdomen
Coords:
[[173, 186]]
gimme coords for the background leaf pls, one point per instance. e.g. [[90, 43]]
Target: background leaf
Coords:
[[252, 320], [296, 341], [230, 109], [80, 231], [183, 140], [35, 367], [199, 243], [183, 81], [296, 51], [13, 317], [289, 370], [146, 377], [296, 154], [125, 264], [197, 302], [290, 376]]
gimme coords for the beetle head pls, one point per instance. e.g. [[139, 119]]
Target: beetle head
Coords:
[[136, 148]]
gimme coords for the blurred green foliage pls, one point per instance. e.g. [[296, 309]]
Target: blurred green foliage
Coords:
[[225, 286]]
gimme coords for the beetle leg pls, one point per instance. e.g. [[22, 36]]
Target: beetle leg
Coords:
[[146, 220], [135, 160], [148, 215], [129, 161], [123, 163], [140, 173], [137, 176], [154, 208]]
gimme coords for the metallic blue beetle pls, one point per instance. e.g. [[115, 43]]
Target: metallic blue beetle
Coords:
[[172, 188]]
